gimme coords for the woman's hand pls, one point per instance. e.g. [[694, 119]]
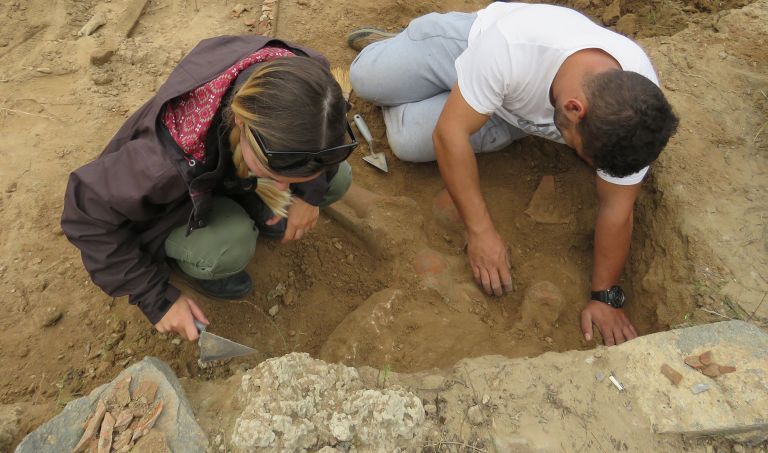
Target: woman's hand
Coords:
[[302, 217], [180, 318]]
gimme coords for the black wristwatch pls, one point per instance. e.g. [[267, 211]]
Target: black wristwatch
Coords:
[[613, 297]]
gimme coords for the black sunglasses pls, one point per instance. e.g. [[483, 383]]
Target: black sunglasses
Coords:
[[305, 163]]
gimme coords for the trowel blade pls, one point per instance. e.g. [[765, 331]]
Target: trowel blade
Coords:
[[214, 347], [378, 160]]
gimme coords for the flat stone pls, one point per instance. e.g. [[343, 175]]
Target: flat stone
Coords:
[[176, 424], [735, 405]]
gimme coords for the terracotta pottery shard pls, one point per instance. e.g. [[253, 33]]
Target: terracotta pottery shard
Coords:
[[694, 362], [121, 393], [123, 419], [147, 390], [671, 374], [712, 370], [706, 358], [725, 369], [91, 427], [105, 433], [146, 423]]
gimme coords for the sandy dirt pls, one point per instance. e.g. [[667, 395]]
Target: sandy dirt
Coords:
[[699, 252]]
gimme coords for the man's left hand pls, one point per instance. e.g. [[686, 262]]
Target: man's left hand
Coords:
[[613, 323], [302, 217]]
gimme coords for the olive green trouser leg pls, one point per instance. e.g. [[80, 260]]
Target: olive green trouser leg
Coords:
[[226, 245], [221, 249], [339, 185]]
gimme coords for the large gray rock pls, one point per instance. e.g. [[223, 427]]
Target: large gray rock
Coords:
[[296, 403], [735, 405], [566, 402], [176, 422]]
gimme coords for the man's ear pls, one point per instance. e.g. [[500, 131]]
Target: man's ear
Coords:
[[575, 109]]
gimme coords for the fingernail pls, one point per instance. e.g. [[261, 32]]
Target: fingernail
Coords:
[[588, 337]]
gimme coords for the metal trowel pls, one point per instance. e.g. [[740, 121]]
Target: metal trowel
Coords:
[[214, 347], [378, 160]]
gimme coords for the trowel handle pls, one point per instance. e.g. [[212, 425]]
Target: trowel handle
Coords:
[[200, 326], [363, 128]]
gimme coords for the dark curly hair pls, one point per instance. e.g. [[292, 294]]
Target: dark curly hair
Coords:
[[627, 124]]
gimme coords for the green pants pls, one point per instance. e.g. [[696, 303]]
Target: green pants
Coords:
[[226, 245]]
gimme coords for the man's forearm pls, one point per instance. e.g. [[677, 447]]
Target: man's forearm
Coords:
[[458, 168], [613, 235]]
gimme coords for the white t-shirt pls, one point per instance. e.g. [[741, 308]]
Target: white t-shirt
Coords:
[[513, 54]]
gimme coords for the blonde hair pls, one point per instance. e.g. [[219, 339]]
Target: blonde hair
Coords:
[[294, 103], [278, 200]]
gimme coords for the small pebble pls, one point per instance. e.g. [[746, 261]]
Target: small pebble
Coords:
[[600, 376], [430, 409], [273, 311], [176, 341], [52, 316], [486, 399], [44, 70], [699, 388], [475, 414], [291, 333]]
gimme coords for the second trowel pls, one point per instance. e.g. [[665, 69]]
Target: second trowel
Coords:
[[378, 160], [214, 347]]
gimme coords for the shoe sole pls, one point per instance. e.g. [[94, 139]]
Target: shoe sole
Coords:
[[366, 31], [191, 282]]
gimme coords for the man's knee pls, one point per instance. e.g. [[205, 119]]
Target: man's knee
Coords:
[[409, 148], [364, 76]]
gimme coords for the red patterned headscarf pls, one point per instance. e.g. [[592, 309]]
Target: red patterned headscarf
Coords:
[[189, 116]]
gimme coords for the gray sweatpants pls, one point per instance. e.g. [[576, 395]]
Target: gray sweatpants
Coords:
[[410, 77]]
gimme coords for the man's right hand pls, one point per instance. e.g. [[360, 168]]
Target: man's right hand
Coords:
[[489, 258], [180, 318]]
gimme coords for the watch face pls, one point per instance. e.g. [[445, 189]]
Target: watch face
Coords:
[[616, 297]]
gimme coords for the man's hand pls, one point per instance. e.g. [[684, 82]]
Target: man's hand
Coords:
[[302, 217], [180, 318], [489, 259], [613, 323]]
